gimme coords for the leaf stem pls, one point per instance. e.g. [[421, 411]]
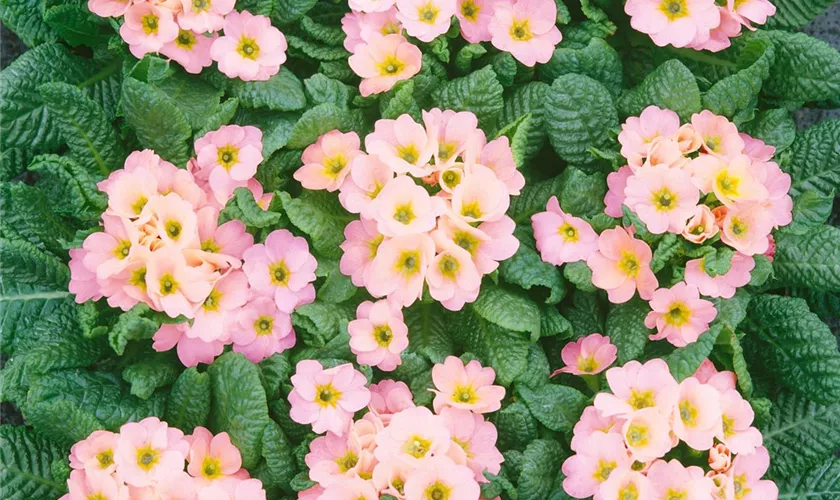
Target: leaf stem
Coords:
[[103, 74]]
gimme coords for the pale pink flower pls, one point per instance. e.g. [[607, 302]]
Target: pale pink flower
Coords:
[[672, 478], [129, 190], [562, 237], [587, 356], [638, 132], [722, 285], [168, 222], [227, 241], [177, 486], [371, 5], [283, 268], [666, 152], [440, 477], [212, 457], [402, 144], [637, 386], [262, 330], [449, 133], [732, 181], [697, 414], [251, 48], [626, 484], [99, 485], [359, 26], [354, 488], [83, 282], [453, 278], [111, 251], [126, 289], [360, 247], [362, 433], [368, 175], [621, 265], [662, 197], [474, 17], [592, 422], [425, 19], [191, 50], [191, 351], [148, 451], [647, 434], [701, 226], [204, 16], [388, 398], [382, 61], [230, 155], [497, 155], [746, 473], [679, 314], [218, 313], [327, 162], [147, 28], [405, 208], [614, 199], [96, 452], [313, 493], [778, 204], [476, 440], [751, 11], [327, 399], [719, 135], [389, 477], [332, 458], [719, 37], [378, 334], [232, 489], [481, 196], [467, 387], [736, 430], [174, 287], [448, 179], [413, 436], [756, 149], [400, 267], [526, 29], [598, 458], [488, 244], [707, 373], [746, 229], [675, 22], [108, 8]]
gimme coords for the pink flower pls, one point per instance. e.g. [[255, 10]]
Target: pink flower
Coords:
[[737, 181], [450, 133], [621, 265], [231, 156], [638, 132], [662, 197], [746, 229], [217, 314], [720, 136], [404, 208], [675, 22], [425, 19], [722, 285], [697, 414], [149, 451], [371, 5], [474, 17], [625, 484], [111, 251], [360, 247], [413, 437], [233, 489], [95, 453], [229, 239], [389, 477], [481, 196], [679, 314], [399, 268], [562, 237], [251, 48], [736, 431], [592, 422], [177, 486], [382, 61], [203, 17], [666, 152], [747, 11], [637, 386], [614, 199], [86, 484], [212, 457], [354, 488], [588, 355], [707, 373], [599, 457], [747, 471], [675, 479], [129, 190], [262, 330], [190, 50], [647, 434], [191, 351], [402, 144], [359, 26], [108, 8], [174, 287], [282, 267], [779, 204], [168, 222], [378, 334], [147, 28], [526, 29], [368, 175], [476, 440], [488, 244], [328, 398], [467, 387], [388, 398], [332, 458], [326, 163], [313, 493], [719, 37], [453, 278], [83, 282], [440, 477], [701, 226], [497, 155], [757, 149]]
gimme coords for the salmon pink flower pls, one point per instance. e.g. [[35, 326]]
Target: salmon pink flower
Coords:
[[707, 373], [746, 229], [168, 222], [147, 28], [149, 451], [86, 484], [638, 132], [402, 144], [476, 440], [212, 457], [719, 37], [83, 282], [488, 244], [497, 155], [481, 196], [378, 334], [405, 208], [388, 398], [389, 477], [734, 182], [233, 489], [360, 246], [327, 399], [449, 133], [218, 313], [332, 458], [262, 330], [679, 314], [614, 199], [191, 50], [360, 26], [368, 175], [588, 355], [626, 484], [110, 252], [442, 478], [747, 471], [592, 422], [637, 386], [382, 61], [400, 267], [108, 8], [756, 149], [229, 239], [177, 486], [327, 162], [665, 152], [283, 268], [779, 204], [697, 414], [354, 488], [413, 437], [751, 11], [662, 197], [95, 453], [425, 19], [647, 434], [675, 22], [526, 29], [191, 351], [466, 387], [371, 5], [599, 457], [701, 226], [722, 285], [203, 16], [129, 191], [673, 480], [736, 430], [453, 278], [474, 17], [562, 237], [621, 265], [251, 48], [720, 136], [174, 287], [231, 155]]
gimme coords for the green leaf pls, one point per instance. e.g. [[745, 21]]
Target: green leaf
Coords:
[[322, 321], [22, 304], [773, 126], [301, 48], [670, 86], [25, 460], [718, 262], [62, 421], [151, 373], [806, 69], [23, 262], [801, 434], [158, 121], [809, 260], [579, 274], [626, 329], [427, 331], [188, 405], [814, 161], [579, 114], [528, 99], [537, 369], [321, 216], [508, 309], [527, 269], [819, 483], [243, 207], [684, 361], [318, 121], [197, 99], [277, 451], [76, 24], [796, 13], [799, 348], [222, 115], [598, 60], [668, 247], [739, 366], [540, 463], [330, 35], [321, 89], [737, 93], [533, 199], [289, 11], [70, 187], [582, 193], [131, 325], [516, 426], [479, 92], [468, 53], [556, 406], [400, 100], [810, 211], [25, 213], [239, 405], [553, 323], [277, 128], [505, 350], [24, 18], [336, 287], [281, 92], [585, 314]]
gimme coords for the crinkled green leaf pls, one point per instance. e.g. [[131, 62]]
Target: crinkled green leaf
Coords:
[[24, 17], [540, 462], [289, 11], [321, 89], [556, 406], [806, 69], [467, 54], [322, 321], [197, 99], [321, 216], [23, 262], [158, 121], [508, 309], [626, 329], [516, 426], [684, 361], [479, 92], [330, 35], [810, 211], [63, 421], [318, 121], [428, 332], [70, 187], [773, 126], [820, 482], [737, 93], [281, 92], [810, 260], [151, 373], [305, 49], [527, 269], [670, 86], [25, 460], [75, 24], [399, 101], [243, 207], [537, 368], [188, 405], [582, 194], [131, 325], [796, 13], [814, 160], [26, 213], [597, 60], [505, 350], [528, 99], [580, 275], [279, 463]]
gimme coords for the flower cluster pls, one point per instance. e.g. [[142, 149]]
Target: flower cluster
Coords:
[[146, 460], [382, 55], [398, 448], [187, 31], [163, 246], [698, 24], [432, 200], [620, 442]]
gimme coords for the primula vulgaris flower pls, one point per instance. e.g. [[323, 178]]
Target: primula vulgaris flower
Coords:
[[526, 29], [621, 265], [326, 163], [382, 61], [250, 49], [466, 387], [327, 399], [378, 334], [679, 314], [562, 237], [587, 356]]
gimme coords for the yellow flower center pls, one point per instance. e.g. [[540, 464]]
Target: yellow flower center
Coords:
[[211, 303], [628, 492], [398, 485], [520, 30], [200, 5], [279, 273], [96, 496], [465, 445], [428, 13], [569, 233], [409, 153], [464, 394], [437, 491], [105, 458], [138, 278], [603, 470], [449, 266], [739, 227], [674, 9], [150, 23], [172, 229], [264, 325], [712, 142], [728, 426], [688, 413], [629, 264], [335, 165], [138, 204], [374, 245], [678, 315], [641, 399], [470, 10], [472, 209], [228, 156], [417, 446], [326, 395], [211, 468], [404, 213], [451, 178], [186, 39], [637, 435], [673, 494], [122, 249], [408, 264], [347, 462], [147, 457], [248, 48], [210, 246], [383, 335], [390, 29], [664, 200], [587, 365], [741, 489], [467, 241], [391, 66], [727, 184], [446, 150], [168, 285]]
